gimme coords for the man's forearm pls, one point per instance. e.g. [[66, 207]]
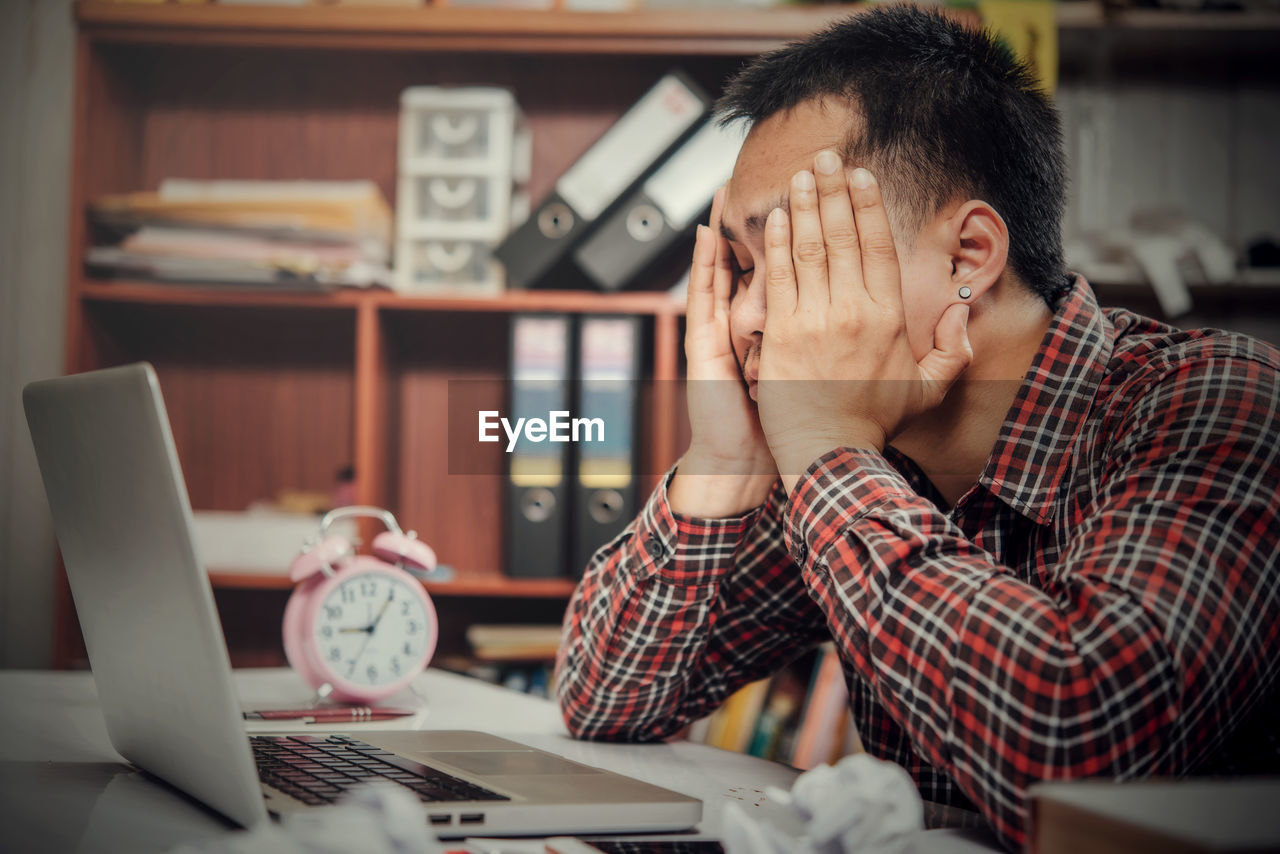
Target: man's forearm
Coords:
[[676, 615], [636, 627]]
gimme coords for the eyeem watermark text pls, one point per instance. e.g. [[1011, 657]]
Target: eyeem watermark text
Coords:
[[558, 426]]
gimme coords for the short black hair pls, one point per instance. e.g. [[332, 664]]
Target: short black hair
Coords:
[[946, 111]]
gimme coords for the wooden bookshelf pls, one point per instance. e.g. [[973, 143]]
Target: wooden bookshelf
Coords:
[[268, 389]]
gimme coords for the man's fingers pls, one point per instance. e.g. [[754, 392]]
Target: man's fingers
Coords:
[[701, 299], [722, 281], [839, 232], [780, 280], [950, 355], [879, 255], [701, 302], [808, 249]]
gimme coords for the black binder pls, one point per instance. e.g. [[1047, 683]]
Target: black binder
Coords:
[[538, 472], [606, 475], [599, 179], [662, 212]]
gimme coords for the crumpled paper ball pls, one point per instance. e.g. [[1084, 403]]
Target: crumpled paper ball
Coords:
[[861, 804]]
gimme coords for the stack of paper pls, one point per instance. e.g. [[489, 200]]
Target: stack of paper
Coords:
[[304, 234]]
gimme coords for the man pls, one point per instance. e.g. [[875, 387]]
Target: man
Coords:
[[1043, 536]]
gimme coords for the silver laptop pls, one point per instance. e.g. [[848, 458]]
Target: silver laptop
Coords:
[[123, 520]]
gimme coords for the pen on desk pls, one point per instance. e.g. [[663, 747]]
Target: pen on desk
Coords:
[[354, 714]]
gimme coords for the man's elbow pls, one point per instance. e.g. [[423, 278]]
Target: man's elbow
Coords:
[[583, 712], [590, 723], [590, 715]]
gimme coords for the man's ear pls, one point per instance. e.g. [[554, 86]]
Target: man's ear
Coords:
[[979, 248]]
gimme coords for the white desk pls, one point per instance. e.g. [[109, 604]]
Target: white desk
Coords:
[[64, 789]]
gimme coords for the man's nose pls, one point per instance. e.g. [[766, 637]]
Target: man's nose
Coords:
[[746, 312]]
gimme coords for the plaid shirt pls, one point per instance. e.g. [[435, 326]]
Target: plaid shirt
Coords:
[[1105, 601]]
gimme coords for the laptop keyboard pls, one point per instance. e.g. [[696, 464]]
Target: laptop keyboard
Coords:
[[318, 769]]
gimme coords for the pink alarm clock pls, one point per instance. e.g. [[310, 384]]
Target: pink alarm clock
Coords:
[[360, 624]]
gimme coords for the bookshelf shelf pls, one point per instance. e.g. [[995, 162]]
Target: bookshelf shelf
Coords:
[[482, 585], [571, 301], [668, 31], [144, 293], [233, 580], [147, 293]]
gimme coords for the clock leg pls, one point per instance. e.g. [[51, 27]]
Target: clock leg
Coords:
[[322, 694]]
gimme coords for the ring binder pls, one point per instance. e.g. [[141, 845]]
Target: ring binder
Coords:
[[599, 179], [606, 473], [662, 212], [538, 473]]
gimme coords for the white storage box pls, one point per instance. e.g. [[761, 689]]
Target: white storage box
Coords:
[[464, 162], [478, 129], [473, 207], [453, 266]]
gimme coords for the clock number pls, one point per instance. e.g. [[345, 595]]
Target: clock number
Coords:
[[408, 650], [368, 588], [334, 611], [348, 595], [335, 653], [411, 627], [326, 631], [404, 608], [395, 666], [372, 673]]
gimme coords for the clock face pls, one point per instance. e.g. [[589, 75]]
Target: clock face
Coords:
[[372, 629]]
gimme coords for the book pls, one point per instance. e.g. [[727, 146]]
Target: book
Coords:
[[742, 709], [825, 709], [781, 707], [515, 642]]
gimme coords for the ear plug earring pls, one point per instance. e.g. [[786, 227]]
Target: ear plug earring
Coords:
[[965, 293]]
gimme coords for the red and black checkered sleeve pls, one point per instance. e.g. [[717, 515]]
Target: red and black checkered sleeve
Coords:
[[1135, 654], [674, 615]]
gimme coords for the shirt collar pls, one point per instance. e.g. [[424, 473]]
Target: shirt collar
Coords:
[[1032, 454]]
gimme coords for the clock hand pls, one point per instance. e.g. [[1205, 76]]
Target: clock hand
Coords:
[[350, 630], [355, 659], [369, 628], [381, 611]]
